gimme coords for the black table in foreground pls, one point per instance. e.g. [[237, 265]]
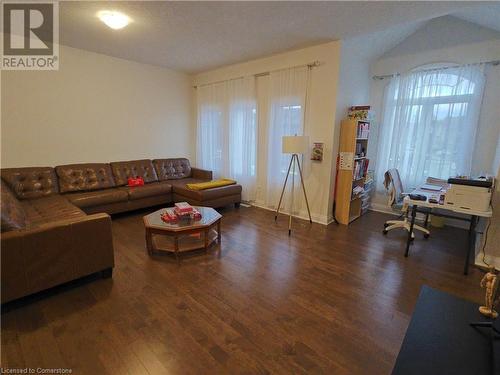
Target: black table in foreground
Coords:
[[440, 340]]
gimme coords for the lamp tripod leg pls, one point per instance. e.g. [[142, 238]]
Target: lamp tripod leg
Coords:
[[304, 190], [283, 191], [294, 156]]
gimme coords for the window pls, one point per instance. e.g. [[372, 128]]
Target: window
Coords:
[[243, 132], [227, 131], [293, 119], [210, 134], [292, 124], [287, 98], [429, 123]]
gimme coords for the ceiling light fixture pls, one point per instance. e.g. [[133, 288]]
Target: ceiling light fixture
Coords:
[[113, 19]]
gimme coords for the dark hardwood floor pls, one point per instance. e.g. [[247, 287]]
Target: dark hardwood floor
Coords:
[[333, 300]]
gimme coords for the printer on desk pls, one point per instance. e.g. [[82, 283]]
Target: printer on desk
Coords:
[[469, 194]]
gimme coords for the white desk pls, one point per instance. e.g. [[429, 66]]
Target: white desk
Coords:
[[414, 205]]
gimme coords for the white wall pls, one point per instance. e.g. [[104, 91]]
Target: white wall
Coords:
[[354, 83], [491, 248], [447, 39], [320, 123], [354, 78], [96, 108]]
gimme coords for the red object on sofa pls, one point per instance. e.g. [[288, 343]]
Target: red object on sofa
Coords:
[[139, 181]]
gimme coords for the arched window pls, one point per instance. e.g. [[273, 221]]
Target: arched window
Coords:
[[429, 123]]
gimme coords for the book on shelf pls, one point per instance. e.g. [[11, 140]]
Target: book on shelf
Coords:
[[369, 176], [363, 130], [359, 150], [357, 191], [365, 166], [360, 168]]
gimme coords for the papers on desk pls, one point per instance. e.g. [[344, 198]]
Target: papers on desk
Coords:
[[437, 182], [434, 184], [431, 187]]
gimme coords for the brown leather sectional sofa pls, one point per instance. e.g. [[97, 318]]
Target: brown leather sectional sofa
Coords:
[[55, 222]]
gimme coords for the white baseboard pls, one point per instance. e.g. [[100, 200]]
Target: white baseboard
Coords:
[[382, 208], [490, 259], [302, 214]]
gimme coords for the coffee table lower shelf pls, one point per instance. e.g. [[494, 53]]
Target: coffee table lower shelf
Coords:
[[196, 241], [181, 242]]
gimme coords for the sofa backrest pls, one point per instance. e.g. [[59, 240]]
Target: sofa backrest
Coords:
[[123, 170], [31, 182], [172, 169], [12, 214], [84, 177]]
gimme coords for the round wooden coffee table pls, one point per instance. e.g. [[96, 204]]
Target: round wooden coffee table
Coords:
[[182, 236]]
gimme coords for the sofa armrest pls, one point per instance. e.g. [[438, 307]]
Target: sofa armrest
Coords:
[[42, 257], [202, 174]]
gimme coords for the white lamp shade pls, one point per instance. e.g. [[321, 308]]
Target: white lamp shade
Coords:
[[295, 144]]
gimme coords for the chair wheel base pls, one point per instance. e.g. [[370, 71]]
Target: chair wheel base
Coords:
[[384, 232], [386, 225], [426, 235]]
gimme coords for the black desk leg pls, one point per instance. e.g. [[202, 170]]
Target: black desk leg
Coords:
[[412, 222], [426, 220], [472, 243]]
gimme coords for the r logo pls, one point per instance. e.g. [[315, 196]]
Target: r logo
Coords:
[[30, 39], [28, 29]]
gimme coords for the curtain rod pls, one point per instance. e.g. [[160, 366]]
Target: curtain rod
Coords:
[[384, 76], [262, 74]]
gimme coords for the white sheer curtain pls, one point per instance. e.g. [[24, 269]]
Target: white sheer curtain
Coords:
[[227, 131], [212, 128], [287, 100], [243, 135], [429, 123]]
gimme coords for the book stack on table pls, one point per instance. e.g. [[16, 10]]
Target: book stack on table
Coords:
[[181, 212]]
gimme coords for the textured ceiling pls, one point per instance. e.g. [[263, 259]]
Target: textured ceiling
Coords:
[[198, 36]]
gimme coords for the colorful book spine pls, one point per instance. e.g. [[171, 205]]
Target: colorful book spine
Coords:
[[363, 130], [360, 169]]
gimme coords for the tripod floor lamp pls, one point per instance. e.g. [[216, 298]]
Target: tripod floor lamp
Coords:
[[294, 145]]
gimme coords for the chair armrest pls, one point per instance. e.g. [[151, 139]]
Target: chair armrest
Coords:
[[35, 259], [202, 174]]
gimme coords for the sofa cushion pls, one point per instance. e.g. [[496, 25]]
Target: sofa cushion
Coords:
[[13, 216], [53, 208], [31, 182], [98, 197], [150, 190], [84, 177], [122, 170], [171, 169], [179, 187]]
